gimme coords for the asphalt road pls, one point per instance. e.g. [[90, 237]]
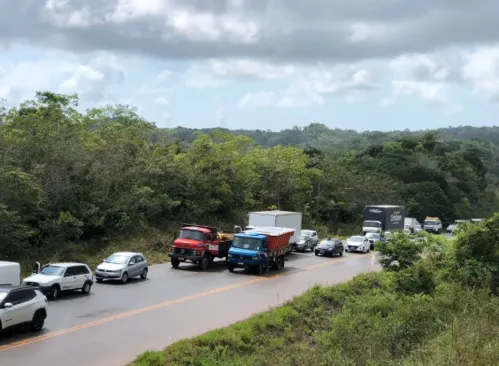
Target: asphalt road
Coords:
[[115, 323]]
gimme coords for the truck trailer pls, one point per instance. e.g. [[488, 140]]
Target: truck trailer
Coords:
[[276, 218], [260, 248], [378, 219]]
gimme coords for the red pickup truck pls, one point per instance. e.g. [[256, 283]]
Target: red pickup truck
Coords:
[[199, 244]]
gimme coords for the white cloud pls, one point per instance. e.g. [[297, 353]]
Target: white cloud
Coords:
[[424, 76], [481, 69], [257, 100], [90, 80]]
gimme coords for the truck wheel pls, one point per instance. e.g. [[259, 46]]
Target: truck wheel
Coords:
[[175, 262], [203, 263]]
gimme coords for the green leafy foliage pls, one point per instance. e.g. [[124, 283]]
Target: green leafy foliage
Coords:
[[70, 182]]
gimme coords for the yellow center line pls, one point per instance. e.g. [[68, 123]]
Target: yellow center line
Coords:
[[166, 304]]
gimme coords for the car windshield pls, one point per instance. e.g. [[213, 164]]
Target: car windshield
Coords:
[[357, 238], [304, 237], [326, 243], [52, 271], [306, 233], [246, 243], [191, 234], [430, 222], [117, 259], [371, 224], [372, 236]]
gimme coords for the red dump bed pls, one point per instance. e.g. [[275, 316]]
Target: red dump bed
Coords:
[[278, 237]]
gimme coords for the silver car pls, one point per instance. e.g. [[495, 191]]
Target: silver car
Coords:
[[122, 266], [308, 240]]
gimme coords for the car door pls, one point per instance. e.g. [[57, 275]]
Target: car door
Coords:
[[25, 305], [82, 275], [132, 267], [315, 238], [69, 280], [141, 264]]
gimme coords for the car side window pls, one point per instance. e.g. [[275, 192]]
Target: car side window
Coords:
[[26, 295], [20, 296], [70, 271], [139, 259], [81, 270], [14, 298], [132, 260]]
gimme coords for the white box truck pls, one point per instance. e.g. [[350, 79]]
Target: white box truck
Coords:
[[10, 273], [277, 218]]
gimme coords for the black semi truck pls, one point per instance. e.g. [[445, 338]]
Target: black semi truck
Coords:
[[378, 219]]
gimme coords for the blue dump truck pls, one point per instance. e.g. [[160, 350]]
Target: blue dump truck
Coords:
[[260, 249]]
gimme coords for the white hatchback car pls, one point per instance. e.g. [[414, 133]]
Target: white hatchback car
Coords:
[[58, 277], [358, 243], [22, 305]]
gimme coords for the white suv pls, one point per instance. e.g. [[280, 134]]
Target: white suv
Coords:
[[58, 277], [22, 305]]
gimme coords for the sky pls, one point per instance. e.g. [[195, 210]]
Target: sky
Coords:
[[261, 64]]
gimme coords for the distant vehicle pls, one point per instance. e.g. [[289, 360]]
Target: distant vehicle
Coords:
[[308, 240], [122, 266], [451, 228], [373, 239], [330, 247], [411, 224], [407, 229], [358, 243], [261, 249], [199, 244], [476, 220], [60, 277], [433, 225], [417, 228], [10, 273], [277, 218], [22, 305], [381, 218]]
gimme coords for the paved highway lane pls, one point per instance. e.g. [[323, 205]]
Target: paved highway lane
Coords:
[[116, 322]]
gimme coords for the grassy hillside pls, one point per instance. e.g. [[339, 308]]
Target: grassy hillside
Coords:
[[432, 311]]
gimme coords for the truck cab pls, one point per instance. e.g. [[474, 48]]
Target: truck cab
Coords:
[[433, 224], [199, 244], [372, 226]]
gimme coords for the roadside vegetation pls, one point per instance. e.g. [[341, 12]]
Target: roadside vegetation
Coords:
[[76, 186], [434, 303]]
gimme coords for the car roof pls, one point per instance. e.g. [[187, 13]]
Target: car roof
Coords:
[[67, 264], [329, 239], [357, 236], [308, 231], [9, 288], [127, 254]]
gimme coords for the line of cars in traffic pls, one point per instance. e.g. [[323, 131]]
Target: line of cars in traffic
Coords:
[[24, 301]]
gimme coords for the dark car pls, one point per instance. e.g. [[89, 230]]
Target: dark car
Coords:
[[330, 248]]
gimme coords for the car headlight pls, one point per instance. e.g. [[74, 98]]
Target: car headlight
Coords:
[[229, 255]]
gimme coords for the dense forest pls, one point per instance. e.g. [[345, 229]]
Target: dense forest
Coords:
[[69, 178]]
